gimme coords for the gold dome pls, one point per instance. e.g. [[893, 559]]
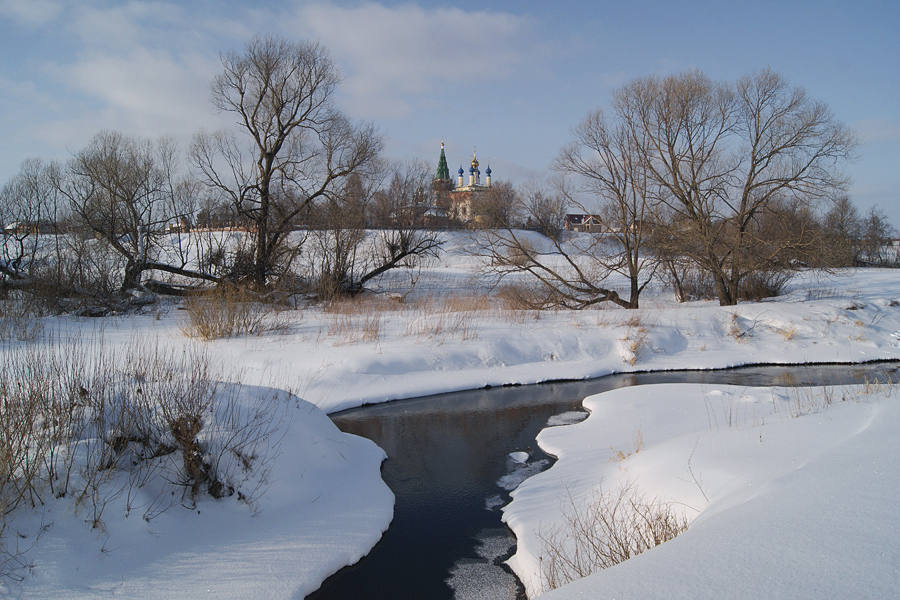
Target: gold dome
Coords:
[[474, 161]]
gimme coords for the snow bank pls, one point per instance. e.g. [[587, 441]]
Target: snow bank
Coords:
[[791, 491], [324, 507]]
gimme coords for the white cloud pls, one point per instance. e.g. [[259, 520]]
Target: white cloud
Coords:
[[143, 68], [30, 12], [392, 53], [152, 87], [128, 24]]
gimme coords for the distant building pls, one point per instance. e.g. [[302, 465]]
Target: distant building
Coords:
[[459, 201], [586, 223], [31, 227]]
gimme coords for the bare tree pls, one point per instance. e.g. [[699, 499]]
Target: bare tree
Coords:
[[842, 230], [572, 274], [301, 149], [719, 155], [876, 237], [608, 166], [496, 207], [344, 256], [125, 192], [29, 215]]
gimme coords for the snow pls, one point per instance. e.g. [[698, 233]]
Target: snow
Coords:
[[518, 457], [326, 506], [790, 492], [566, 418]]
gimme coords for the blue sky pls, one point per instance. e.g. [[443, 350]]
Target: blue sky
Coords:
[[510, 78]]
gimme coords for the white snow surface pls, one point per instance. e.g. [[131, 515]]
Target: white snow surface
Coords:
[[326, 505], [324, 509], [801, 488], [422, 349]]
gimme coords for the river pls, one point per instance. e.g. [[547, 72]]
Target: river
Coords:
[[447, 453]]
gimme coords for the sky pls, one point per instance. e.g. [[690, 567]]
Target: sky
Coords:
[[511, 79]]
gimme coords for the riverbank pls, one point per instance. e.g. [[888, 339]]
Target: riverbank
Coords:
[[789, 492]]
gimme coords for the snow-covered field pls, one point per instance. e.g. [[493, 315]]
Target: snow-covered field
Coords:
[[325, 504]]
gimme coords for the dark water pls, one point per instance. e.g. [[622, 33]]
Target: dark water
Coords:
[[446, 454]]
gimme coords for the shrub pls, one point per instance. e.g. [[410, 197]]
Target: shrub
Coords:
[[229, 311], [613, 527], [764, 284]]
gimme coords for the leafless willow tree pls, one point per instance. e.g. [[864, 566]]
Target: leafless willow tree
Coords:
[[295, 150], [343, 256], [720, 156], [125, 192], [607, 166], [572, 273], [607, 170], [30, 212]]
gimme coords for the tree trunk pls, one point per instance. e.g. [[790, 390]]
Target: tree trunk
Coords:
[[133, 271], [727, 295], [635, 292], [261, 266]]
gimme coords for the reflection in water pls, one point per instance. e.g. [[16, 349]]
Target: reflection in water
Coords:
[[446, 454]]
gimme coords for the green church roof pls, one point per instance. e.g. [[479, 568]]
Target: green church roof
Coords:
[[443, 172]]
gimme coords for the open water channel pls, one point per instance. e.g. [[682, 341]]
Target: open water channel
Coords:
[[449, 467]]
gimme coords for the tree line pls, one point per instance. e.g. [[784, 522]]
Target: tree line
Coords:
[[293, 161], [729, 183]]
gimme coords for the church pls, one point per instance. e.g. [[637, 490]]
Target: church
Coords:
[[460, 200]]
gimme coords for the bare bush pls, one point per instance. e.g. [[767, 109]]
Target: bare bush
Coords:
[[20, 318], [613, 527], [764, 284], [229, 311]]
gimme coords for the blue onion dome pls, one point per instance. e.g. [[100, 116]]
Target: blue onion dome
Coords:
[[461, 170], [488, 171], [471, 170]]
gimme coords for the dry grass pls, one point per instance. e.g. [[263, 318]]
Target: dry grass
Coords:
[[634, 321], [736, 329], [435, 318], [788, 333], [20, 318], [807, 401], [440, 319], [615, 526], [635, 342], [229, 312], [352, 328], [637, 446]]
